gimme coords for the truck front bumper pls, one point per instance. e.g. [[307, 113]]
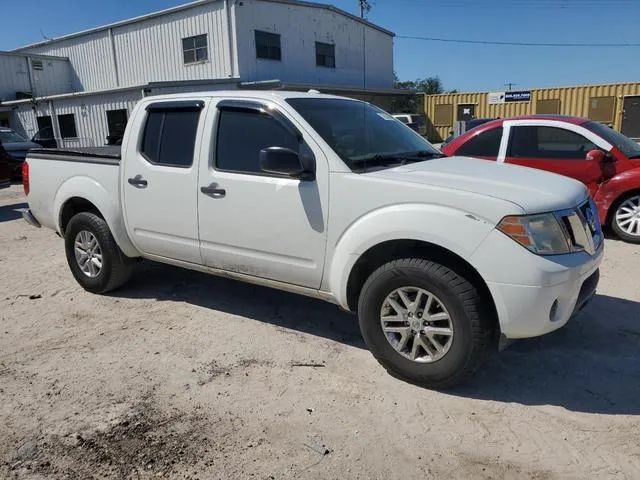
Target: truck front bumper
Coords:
[[535, 295]]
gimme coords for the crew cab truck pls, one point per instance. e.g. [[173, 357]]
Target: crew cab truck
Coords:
[[332, 198]]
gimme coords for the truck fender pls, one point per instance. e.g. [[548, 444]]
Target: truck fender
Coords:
[[613, 189], [89, 189], [457, 231]]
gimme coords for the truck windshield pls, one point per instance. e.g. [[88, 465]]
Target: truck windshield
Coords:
[[630, 148], [363, 135]]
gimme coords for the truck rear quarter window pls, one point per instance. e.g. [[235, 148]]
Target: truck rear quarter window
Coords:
[[170, 137], [241, 136]]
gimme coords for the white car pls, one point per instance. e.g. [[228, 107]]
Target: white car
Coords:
[[332, 198]]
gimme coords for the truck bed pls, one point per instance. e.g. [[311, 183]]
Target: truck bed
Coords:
[[105, 155], [54, 173]]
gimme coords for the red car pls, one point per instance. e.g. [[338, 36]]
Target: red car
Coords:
[[606, 161]]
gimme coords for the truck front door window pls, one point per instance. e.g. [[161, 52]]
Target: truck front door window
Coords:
[[241, 136]]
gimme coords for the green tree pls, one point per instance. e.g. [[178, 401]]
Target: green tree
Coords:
[[428, 85]]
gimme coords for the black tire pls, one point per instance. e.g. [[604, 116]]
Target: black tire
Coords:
[[116, 267], [621, 234], [474, 324]]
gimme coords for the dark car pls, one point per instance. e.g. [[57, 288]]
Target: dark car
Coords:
[[16, 147], [5, 171]]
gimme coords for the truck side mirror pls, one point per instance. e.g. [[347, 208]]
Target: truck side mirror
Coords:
[[284, 161]]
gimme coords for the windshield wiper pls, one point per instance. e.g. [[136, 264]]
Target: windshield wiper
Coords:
[[386, 159]]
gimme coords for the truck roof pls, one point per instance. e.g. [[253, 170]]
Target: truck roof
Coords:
[[260, 94]]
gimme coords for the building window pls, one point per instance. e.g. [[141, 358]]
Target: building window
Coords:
[[325, 55], [36, 64], [67, 125], [268, 45], [116, 123], [195, 49], [170, 137], [44, 121]]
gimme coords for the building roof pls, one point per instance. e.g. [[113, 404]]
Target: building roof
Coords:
[[31, 55], [194, 4]]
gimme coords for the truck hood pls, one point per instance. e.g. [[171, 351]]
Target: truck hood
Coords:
[[535, 191]]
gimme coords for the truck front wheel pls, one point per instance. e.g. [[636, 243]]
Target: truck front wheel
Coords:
[[425, 323], [95, 260]]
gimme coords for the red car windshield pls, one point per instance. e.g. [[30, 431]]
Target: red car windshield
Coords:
[[627, 146]]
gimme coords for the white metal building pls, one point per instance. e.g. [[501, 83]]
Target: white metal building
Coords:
[[206, 44]]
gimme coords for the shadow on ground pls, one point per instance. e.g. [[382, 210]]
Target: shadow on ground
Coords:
[[591, 365], [8, 212], [303, 314]]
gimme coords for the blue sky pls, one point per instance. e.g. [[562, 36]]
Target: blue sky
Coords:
[[461, 66]]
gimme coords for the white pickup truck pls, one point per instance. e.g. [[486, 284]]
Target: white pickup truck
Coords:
[[332, 198]]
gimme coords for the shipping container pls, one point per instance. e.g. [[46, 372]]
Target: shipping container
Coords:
[[616, 105]]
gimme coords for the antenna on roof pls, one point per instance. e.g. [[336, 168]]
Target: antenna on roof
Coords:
[[44, 36], [365, 7]]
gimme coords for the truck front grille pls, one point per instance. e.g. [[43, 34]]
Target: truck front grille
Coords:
[[582, 227]]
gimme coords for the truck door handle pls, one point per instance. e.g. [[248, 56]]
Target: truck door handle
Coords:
[[213, 191], [138, 182]]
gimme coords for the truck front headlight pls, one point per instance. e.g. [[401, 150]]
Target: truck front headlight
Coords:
[[541, 234]]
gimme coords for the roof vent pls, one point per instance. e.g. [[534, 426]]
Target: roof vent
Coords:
[[312, 90]]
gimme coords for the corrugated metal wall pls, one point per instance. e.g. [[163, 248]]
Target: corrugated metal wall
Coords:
[[54, 78], [151, 50], [90, 56], [299, 28], [573, 101], [90, 114], [146, 51]]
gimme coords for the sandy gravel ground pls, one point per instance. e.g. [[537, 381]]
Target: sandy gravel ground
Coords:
[[180, 375]]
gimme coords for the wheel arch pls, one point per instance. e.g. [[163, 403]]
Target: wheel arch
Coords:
[[387, 251], [84, 194], [616, 202]]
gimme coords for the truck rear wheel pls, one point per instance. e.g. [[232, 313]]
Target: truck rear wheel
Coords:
[[425, 323], [95, 260]]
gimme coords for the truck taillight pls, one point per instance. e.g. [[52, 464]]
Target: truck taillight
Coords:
[[25, 177]]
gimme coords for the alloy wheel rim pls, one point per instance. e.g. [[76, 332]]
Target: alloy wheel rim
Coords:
[[416, 324], [88, 253], [628, 216]]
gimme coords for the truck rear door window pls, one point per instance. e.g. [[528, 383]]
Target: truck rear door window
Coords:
[[170, 137]]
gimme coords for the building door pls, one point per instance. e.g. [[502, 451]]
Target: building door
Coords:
[[631, 117], [466, 112]]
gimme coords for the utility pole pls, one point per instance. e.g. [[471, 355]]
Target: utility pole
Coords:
[[510, 85], [365, 7]]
